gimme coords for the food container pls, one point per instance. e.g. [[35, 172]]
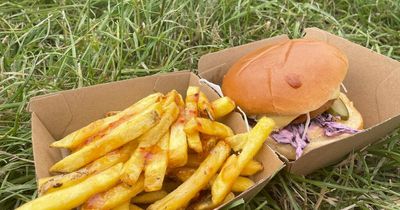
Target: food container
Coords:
[[58, 114], [372, 82]]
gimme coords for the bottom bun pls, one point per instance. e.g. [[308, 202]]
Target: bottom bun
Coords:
[[316, 134]]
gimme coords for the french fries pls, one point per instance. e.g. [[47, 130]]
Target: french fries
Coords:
[[181, 196], [152, 136], [235, 164], [141, 155], [194, 141], [177, 148], [134, 166], [251, 168], [66, 180], [123, 206], [182, 174], [237, 141], [63, 181], [192, 97], [134, 207], [209, 143], [208, 127], [149, 197], [115, 196], [177, 151], [74, 196], [42, 181], [78, 137], [172, 96], [170, 185], [222, 107], [112, 113], [156, 166], [225, 179], [119, 136], [205, 107], [240, 184], [179, 101], [194, 160], [207, 204]]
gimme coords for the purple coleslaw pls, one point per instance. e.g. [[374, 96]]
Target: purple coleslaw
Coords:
[[292, 133], [332, 128]]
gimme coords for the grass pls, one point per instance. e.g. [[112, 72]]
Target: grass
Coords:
[[48, 46]]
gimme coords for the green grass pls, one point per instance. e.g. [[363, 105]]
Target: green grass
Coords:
[[48, 46]]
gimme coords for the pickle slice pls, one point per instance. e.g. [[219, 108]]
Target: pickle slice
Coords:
[[338, 108]]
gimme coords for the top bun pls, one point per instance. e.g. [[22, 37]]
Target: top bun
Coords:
[[291, 78]]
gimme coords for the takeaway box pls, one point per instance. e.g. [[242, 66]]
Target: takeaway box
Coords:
[[372, 82], [58, 114]]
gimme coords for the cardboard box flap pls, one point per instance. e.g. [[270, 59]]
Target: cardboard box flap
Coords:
[[370, 74], [177, 80], [215, 74], [44, 110], [68, 105], [43, 155], [388, 96], [230, 55]]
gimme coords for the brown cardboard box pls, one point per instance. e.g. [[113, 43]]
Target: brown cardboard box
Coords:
[[373, 84], [56, 115]]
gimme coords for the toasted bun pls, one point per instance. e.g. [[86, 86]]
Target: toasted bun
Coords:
[[316, 134], [292, 78]]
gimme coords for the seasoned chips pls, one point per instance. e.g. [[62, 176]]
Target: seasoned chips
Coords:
[[162, 151]]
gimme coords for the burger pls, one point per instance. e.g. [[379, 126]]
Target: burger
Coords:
[[297, 83]]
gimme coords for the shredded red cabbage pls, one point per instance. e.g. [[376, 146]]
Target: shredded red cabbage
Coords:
[[332, 128], [292, 133]]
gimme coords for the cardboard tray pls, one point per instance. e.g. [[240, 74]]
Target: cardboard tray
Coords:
[[56, 115], [373, 84]]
